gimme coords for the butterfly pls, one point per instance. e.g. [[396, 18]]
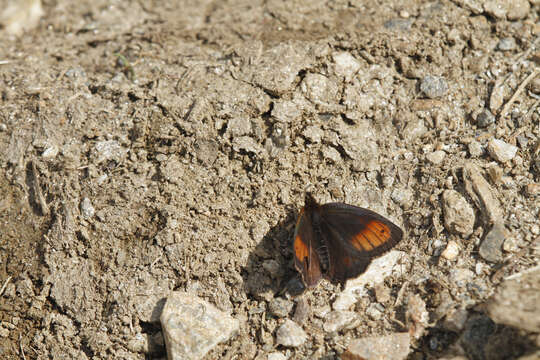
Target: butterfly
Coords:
[[336, 241]]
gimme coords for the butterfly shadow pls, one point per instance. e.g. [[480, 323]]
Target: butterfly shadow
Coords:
[[269, 270]]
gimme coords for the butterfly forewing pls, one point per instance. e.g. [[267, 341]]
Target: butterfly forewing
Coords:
[[363, 232]]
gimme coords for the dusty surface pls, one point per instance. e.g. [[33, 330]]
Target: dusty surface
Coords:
[[147, 147]]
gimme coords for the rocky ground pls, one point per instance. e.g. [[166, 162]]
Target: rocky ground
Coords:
[[152, 150]]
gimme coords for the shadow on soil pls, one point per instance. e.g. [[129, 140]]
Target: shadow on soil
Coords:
[[270, 270]]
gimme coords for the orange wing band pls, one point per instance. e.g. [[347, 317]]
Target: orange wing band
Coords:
[[300, 248], [372, 236]]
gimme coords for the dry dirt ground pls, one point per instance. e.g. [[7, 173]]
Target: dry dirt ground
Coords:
[[151, 146]]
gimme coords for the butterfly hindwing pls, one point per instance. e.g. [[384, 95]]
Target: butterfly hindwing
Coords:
[[343, 263], [306, 259]]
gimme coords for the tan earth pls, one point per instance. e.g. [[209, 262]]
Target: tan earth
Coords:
[[152, 146]]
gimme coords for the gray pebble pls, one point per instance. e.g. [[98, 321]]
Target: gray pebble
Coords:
[[433, 86], [475, 149], [522, 141], [280, 307], [484, 119], [398, 24], [507, 44], [491, 247], [403, 197]]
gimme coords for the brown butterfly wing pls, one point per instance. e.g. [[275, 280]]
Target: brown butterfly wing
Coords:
[[306, 259], [355, 236]]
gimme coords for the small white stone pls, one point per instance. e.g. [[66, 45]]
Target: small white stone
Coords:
[[501, 151], [86, 208], [339, 320], [436, 157], [50, 152], [290, 334], [475, 149], [451, 251], [344, 301], [313, 133], [510, 245], [276, 356], [329, 153], [346, 65]]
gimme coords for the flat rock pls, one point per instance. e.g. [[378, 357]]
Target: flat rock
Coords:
[[390, 347], [458, 214], [491, 247], [192, 327], [290, 334], [286, 111], [517, 302]]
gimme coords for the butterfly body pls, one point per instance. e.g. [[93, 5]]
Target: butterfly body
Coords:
[[336, 241]]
